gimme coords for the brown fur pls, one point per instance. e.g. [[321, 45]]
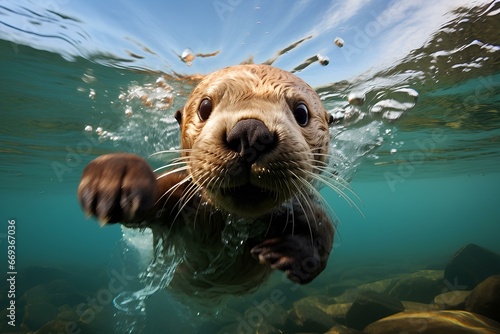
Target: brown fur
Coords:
[[283, 228]]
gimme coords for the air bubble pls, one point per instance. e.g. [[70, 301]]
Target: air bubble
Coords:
[[187, 56], [339, 42], [88, 78], [323, 60], [356, 98], [162, 82], [392, 115], [393, 104]]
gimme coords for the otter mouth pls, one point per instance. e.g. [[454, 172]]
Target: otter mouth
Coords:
[[247, 192]]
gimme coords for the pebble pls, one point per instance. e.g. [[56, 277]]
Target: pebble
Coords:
[[456, 322], [485, 298]]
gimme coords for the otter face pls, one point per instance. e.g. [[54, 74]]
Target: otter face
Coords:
[[253, 136]]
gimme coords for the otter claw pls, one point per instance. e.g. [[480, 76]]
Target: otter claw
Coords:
[[292, 254], [103, 222]]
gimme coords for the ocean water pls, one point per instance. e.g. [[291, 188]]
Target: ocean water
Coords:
[[422, 154]]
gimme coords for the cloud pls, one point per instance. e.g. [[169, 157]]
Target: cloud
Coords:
[[337, 14]]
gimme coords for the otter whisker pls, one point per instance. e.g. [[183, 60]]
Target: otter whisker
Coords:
[[189, 193], [292, 212], [330, 160], [325, 176], [318, 196], [322, 201], [175, 162], [337, 190], [270, 223], [183, 168], [192, 190], [325, 179], [334, 187], [205, 184], [327, 154], [177, 170], [183, 159], [220, 176], [324, 172], [219, 179], [173, 150], [195, 175], [196, 214], [172, 190], [307, 201], [195, 190], [290, 205], [290, 191], [327, 169]]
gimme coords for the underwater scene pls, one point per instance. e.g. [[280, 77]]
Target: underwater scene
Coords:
[[412, 181]]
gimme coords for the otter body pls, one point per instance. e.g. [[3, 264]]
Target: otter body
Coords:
[[240, 200]]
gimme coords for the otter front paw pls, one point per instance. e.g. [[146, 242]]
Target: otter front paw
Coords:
[[296, 255], [117, 188]]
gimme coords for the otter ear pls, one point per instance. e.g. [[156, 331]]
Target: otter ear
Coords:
[[178, 115]]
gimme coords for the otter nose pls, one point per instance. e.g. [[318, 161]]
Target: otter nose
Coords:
[[251, 139]]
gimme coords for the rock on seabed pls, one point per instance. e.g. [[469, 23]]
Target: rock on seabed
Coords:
[[434, 322]]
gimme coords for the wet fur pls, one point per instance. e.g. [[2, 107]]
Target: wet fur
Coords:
[[290, 231]]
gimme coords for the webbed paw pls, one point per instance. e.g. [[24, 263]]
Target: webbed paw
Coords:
[[296, 255], [117, 188]]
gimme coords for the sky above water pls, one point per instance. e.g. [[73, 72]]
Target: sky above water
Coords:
[[151, 34]]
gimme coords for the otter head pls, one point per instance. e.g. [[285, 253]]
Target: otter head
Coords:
[[253, 137]]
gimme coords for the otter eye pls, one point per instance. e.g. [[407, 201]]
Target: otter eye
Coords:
[[205, 109], [301, 114]]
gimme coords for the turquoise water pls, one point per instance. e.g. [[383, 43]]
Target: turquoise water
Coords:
[[426, 171]]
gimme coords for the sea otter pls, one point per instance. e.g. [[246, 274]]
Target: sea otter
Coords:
[[242, 199]]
